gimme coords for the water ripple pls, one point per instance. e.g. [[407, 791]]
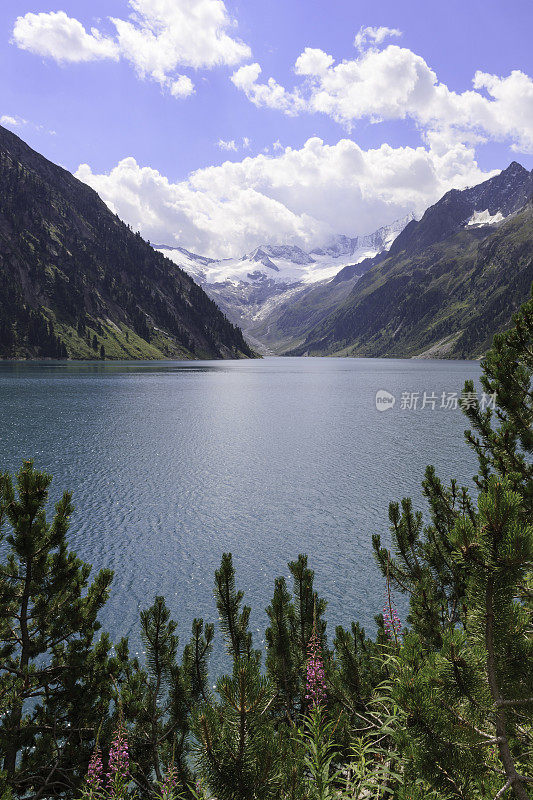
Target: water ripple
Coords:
[[172, 464]]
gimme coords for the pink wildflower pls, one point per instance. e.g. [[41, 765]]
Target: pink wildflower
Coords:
[[95, 771], [391, 623], [118, 766], [316, 683], [170, 784]]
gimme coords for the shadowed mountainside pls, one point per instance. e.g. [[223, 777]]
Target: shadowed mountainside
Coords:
[[448, 284], [77, 282]]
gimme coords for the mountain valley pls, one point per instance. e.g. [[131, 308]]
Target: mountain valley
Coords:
[[440, 286]]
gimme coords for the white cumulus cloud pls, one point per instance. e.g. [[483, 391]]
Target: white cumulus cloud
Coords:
[[313, 61], [300, 196], [227, 145], [369, 35], [159, 38], [270, 94], [182, 86], [11, 122], [58, 36], [395, 83]]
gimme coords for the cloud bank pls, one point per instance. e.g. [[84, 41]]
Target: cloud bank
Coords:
[[58, 36], [395, 83], [301, 196]]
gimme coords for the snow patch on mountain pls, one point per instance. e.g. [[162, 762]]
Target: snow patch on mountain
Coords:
[[480, 218]]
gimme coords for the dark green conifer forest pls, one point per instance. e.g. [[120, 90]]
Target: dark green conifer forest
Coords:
[[438, 706]]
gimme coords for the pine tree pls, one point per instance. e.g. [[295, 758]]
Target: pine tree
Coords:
[[497, 552], [237, 753], [423, 566], [54, 676], [282, 662], [464, 677], [292, 618], [356, 671], [507, 448], [233, 621], [158, 699], [308, 607]]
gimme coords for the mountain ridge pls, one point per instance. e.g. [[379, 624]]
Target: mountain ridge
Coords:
[[506, 192], [263, 285], [75, 281], [326, 259], [446, 286]]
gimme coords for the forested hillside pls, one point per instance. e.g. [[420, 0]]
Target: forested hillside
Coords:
[[77, 282]]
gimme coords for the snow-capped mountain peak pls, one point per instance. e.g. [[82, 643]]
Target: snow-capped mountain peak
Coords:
[[377, 241], [250, 288], [259, 256], [286, 265], [291, 253]]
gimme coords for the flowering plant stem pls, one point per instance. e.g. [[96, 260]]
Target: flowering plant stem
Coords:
[[316, 737], [118, 775]]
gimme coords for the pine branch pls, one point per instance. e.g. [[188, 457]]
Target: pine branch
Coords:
[[503, 790], [503, 746], [527, 701]]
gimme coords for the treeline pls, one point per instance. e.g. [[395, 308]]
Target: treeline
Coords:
[[25, 330], [438, 707]]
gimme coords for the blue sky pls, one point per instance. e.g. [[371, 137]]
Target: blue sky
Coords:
[[145, 113]]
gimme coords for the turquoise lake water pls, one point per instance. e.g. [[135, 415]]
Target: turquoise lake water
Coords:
[[173, 463]]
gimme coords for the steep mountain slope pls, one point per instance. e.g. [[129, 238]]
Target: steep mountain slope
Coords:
[[448, 283], [283, 322], [503, 194], [278, 284], [76, 281]]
